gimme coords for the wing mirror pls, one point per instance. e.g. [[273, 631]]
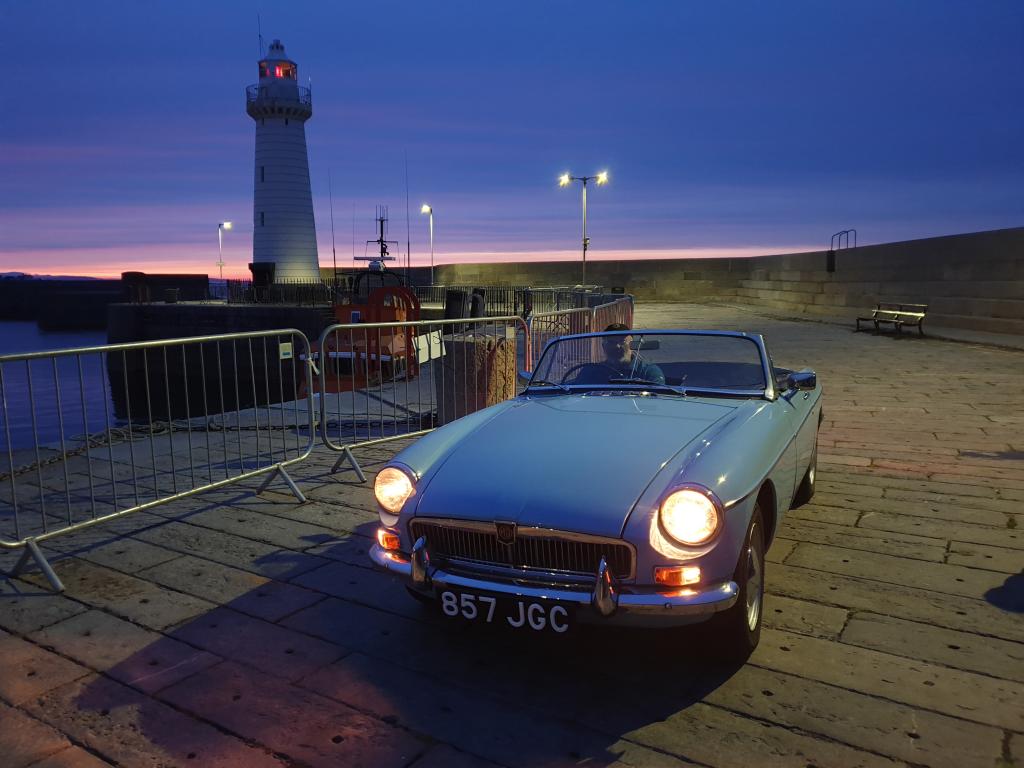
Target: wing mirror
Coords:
[[803, 380]]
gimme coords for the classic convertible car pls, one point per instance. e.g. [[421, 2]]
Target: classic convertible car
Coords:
[[638, 479]]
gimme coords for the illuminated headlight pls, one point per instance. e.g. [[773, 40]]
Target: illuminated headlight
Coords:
[[691, 516], [392, 489]]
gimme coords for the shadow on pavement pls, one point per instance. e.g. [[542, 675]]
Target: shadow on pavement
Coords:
[[369, 676]]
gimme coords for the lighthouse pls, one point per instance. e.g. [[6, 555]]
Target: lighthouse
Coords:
[[284, 233]]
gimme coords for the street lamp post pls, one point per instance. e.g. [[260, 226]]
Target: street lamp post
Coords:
[[220, 245], [564, 181], [430, 211]]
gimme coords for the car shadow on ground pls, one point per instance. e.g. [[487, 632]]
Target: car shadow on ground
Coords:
[[369, 675]]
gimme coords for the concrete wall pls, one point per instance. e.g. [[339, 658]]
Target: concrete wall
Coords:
[[973, 281], [150, 322]]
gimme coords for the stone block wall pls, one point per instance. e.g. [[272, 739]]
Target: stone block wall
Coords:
[[650, 279], [973, 281]]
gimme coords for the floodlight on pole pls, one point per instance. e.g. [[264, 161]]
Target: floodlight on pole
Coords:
[[564, 181], [220, 245], [429, 210]]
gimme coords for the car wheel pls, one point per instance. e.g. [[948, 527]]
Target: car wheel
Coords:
[[738, 630], [419, 596], [806, 490]]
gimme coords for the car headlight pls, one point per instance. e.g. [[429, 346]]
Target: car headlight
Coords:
[[393, 488], [691, 516]]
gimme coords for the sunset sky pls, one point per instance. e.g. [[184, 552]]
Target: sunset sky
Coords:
[[728, 128]]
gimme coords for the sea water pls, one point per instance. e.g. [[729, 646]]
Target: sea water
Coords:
[[77, 383]]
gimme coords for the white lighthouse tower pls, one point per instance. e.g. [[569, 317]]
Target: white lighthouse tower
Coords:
[[284, 233]]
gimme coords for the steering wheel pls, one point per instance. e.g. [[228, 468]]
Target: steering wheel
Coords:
[[581, 366]]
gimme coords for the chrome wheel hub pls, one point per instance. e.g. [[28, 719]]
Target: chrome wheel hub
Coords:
[[755, 579]]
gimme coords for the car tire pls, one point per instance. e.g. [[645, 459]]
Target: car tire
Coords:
[[737, 631], [805, 492], [419, 596]]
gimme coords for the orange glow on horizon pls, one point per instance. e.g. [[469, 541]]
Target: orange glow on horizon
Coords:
[[189, 258]]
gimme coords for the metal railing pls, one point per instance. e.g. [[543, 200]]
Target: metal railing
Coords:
[[314, 293], [841, 239], [520, 300], [96, 433], [558, 298], [279, 92], [499, 300], [379, 382]]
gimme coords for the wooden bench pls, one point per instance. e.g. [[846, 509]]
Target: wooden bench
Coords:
[[897, 315]]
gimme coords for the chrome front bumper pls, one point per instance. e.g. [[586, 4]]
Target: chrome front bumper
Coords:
[[606, 601]]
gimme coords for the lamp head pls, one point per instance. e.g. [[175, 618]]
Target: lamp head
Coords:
[[426, 209], [225, 225], [602, 177], [564, 180]]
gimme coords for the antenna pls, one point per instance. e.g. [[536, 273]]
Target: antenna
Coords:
[[259, 30], [377, 262], [408, 239], [334, 252]]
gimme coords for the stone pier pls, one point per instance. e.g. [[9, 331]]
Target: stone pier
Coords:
[[230, 629]]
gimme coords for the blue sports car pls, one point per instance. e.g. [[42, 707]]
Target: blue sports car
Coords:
[[638, 479]]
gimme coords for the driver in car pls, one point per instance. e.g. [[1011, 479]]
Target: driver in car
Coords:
[[620, 361]]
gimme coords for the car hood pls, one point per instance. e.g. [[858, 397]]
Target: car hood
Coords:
[[572, 462]]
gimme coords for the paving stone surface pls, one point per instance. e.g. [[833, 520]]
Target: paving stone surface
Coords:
[[72, 757], [24, 740], [28, 670], [235, 629]]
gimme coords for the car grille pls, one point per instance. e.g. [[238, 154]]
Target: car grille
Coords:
[[533, 548]]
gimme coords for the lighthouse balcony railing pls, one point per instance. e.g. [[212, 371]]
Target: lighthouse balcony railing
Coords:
[[278, 93]]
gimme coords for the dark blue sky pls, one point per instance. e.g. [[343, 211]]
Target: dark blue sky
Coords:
[[733, 127]]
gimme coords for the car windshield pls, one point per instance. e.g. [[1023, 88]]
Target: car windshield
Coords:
[[682, 362]]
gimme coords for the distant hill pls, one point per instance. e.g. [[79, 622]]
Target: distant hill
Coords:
[[25, 276]]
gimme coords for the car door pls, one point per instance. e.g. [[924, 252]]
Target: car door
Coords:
[[802, 407], [784, 417]]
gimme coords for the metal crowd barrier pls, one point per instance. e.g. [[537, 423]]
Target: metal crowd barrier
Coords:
[[618, 311], [545, 326], [379, 382], [93, 434]]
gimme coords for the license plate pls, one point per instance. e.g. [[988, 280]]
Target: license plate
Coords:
[[537, 615]]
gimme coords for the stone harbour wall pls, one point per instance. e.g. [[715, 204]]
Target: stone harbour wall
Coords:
[[971, 281]]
